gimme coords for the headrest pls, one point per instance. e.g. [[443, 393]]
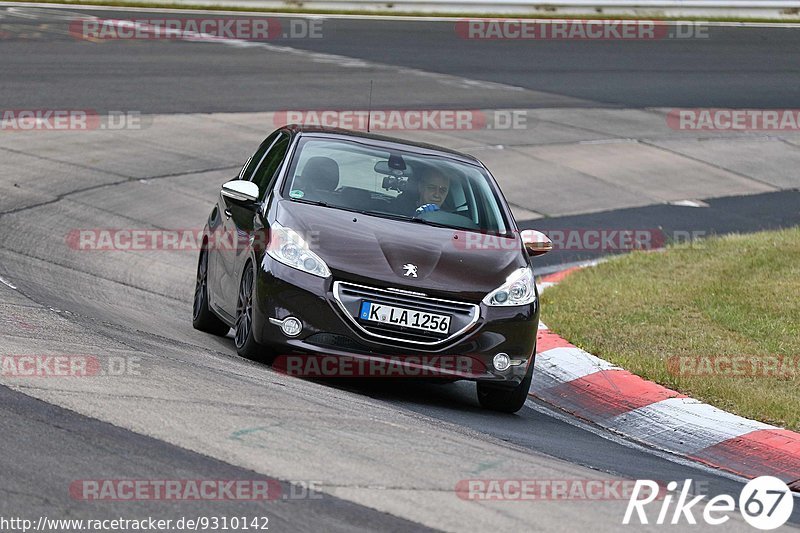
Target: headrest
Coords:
[[321, 173]]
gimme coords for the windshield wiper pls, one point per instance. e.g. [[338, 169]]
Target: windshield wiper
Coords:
[[332, 206], [311, 202], [431, 223], [382, 214], [406, 218]]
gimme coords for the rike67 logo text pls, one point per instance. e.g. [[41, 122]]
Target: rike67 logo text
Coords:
[[765, 503]]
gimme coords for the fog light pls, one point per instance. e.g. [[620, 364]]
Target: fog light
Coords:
[[291, 326], [501, 362]]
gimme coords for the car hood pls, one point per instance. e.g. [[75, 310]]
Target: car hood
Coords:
[[385, 252]]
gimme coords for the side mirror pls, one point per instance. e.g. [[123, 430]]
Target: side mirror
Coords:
[[241, 191], [536, 242]]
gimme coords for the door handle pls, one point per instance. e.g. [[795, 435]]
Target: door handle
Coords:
[[227, 213]]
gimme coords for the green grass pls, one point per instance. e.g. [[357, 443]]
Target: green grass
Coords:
[[737, 295], [791, 17]]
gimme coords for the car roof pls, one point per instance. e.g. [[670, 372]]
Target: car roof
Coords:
[[382, 141]]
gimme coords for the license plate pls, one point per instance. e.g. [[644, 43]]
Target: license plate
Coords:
[[398, 316]]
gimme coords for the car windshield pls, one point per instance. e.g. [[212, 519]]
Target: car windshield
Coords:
[[394, 184]]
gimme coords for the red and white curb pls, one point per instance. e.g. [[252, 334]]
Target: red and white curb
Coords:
[[610, 397]]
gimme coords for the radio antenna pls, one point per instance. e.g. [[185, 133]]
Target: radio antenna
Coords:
[[369, 107]]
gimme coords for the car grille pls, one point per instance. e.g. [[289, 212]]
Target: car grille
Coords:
[[350, 295]]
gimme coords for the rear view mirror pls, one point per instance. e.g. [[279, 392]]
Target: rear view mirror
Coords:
[[387, 168], [536, 242], [241, 191]]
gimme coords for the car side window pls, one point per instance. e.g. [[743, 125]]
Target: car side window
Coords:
[[256, 158], [267, 171]]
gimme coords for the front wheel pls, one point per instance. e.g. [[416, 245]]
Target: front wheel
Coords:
[[504, 399], [246, 345], [202, 317]]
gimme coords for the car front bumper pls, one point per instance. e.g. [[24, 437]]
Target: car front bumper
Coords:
[[327, 332]]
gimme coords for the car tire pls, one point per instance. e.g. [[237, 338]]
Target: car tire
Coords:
[[246, 345], [202, 317], [504, 399]]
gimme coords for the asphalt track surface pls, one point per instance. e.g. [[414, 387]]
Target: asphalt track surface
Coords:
[[118, 308], [731, 67], [730, 214]]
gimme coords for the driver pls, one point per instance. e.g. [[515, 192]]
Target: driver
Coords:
[[433, 189]]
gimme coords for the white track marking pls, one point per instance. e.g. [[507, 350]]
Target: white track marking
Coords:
[[567, 364], [544, 285], [682, 425], [623, 441], [7, 283], [35, 13], [689, 203]]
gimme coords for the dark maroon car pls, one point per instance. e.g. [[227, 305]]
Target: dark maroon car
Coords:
[[354, 247]]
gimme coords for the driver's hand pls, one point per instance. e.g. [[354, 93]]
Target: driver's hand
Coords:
[[427, 207]]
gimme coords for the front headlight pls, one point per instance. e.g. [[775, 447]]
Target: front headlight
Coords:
[[288, 247], [519, 289]]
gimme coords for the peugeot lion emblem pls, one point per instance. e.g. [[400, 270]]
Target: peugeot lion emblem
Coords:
[[411, 270]]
